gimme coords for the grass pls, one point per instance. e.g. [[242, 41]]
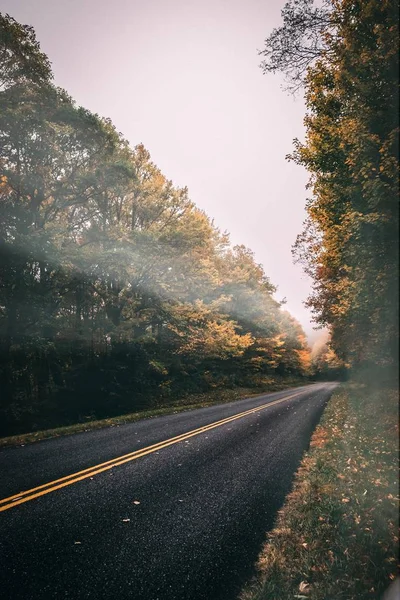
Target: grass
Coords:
[[336, 537], [191, 402]]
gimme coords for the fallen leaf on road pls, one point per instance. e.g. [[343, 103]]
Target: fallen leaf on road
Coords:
[[304, 587]]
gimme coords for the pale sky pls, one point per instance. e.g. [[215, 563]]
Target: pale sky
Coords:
[[183, 78]]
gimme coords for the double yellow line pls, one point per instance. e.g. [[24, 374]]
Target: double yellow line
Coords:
[[57, 484]]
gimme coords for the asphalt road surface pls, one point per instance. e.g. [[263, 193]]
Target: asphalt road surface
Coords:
[[170, 508]]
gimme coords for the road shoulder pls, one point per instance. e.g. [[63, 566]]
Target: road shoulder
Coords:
[[336, 535]]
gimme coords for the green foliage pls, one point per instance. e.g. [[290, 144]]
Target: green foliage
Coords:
[[20, 55], [116, 290]]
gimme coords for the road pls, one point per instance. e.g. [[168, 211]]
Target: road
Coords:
[[164, 518]]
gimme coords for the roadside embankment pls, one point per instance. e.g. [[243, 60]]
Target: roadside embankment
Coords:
[[187, 402], [336, 536]]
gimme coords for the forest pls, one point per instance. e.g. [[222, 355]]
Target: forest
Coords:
[[116, 292]]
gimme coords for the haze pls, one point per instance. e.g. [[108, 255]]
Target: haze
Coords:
[[183, 77]]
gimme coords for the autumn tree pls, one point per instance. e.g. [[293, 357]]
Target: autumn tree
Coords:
[[116, 291], [350, 241]]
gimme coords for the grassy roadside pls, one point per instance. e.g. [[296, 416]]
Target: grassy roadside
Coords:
[[336, 536], [217, 396]]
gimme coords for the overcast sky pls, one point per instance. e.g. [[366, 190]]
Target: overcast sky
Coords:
[[183, 78]]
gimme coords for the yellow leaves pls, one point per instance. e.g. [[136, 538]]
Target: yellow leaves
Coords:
[[304, 359], [319, 438], [4, 187], [204, 334], [351, 154]]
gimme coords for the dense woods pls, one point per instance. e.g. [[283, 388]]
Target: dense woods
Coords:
[[116, 292], [345, 54]]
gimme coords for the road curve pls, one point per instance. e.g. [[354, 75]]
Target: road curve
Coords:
[[171, 508]]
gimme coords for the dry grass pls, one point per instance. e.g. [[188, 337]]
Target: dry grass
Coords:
[[337, 534]]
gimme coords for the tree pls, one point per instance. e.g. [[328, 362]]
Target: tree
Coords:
[[116, 291], [350, 241], [21, 59], [302, 39]]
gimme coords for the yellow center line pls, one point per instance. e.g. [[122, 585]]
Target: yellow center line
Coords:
[[57, 484]]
